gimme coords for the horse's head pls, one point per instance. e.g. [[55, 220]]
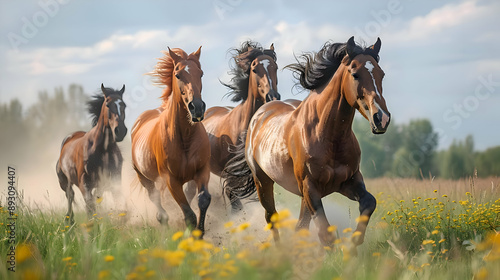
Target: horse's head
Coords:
[[363, 85], [116, 112], [187, 81], [263, 76]]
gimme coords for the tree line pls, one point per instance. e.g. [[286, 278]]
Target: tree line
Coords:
[[405, 150], [409, 151], [35, 133]]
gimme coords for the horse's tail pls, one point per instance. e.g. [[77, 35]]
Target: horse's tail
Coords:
[[238, 178]]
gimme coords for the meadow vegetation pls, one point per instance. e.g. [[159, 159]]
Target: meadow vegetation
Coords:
[[421, 229]]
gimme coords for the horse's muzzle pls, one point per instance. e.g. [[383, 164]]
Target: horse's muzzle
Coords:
[[197, 110], [272, 95], [120, 132], [381, 121]]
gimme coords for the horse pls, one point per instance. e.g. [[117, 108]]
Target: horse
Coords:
[[169, 144], [253, 83], [309, 148], [92, 160]]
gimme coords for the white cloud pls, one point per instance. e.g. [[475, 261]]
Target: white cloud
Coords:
[[439, 20]]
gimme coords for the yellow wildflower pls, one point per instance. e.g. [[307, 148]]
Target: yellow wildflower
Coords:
[[177, 235], [103, 274], [332, 228], [175, 258]]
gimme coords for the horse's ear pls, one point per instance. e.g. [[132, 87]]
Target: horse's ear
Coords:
[[174, 56], [272, 47], [122, 90], [350, 47], [103, 89], [376, 47], [197, 53]]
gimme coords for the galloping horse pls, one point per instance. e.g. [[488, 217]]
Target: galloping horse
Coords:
[[93, 160], [170, 144], [253, 82], [310, 150]]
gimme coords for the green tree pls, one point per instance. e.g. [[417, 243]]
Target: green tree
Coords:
[[376, 150], [458, 160], [488, 162], [414, 157]]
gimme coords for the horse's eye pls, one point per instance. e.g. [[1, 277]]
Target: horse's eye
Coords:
[[355, 76], [177, 76]]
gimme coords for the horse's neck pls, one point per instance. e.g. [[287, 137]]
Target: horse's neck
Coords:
[[248, 108], [334, 112], [100, 134], [175, 123]]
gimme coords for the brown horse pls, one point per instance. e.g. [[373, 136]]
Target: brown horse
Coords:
[[310, 150], [93, 160], [169, 144], [254, 82]]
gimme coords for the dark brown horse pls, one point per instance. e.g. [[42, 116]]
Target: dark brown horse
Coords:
[[253, 83], [310, 149], [92, 161], [169, 144]]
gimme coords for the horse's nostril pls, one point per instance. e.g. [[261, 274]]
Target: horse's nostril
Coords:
[[191, 106]]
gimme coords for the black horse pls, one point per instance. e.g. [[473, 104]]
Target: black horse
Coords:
[[92, 160]]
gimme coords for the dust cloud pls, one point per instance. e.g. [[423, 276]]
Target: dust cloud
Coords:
[[39, 188]]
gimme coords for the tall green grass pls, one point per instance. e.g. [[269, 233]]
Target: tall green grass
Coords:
[[402, 242]]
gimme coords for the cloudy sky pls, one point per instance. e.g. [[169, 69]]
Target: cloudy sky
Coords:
[[441, 58]]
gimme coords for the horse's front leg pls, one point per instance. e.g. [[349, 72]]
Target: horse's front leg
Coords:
[[355, 189], [87, 184], [204, 197], [312, 199], [175, 187]]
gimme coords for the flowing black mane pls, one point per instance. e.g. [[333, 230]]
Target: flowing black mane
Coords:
[[240, 71], [94, 106], [314, 70]]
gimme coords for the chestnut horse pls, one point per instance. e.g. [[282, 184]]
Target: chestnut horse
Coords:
[[311, 150], [169, 144], [92, 161], [253, 83]]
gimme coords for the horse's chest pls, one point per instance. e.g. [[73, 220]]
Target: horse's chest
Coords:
[[184, 165]]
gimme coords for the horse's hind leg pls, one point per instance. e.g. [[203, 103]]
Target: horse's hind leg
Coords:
[[304, 217], [236, 205], [67, 187], [355, 189], [155, 197], [265, 190]]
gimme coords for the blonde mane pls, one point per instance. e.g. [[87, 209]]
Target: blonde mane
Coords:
[[162, 74]]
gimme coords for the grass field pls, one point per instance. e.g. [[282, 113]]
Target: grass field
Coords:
[[422, 229]]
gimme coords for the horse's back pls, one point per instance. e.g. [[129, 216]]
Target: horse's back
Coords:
[[145, 117]]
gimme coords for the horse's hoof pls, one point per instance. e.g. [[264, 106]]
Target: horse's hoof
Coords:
[[69, 220], [163, 219]]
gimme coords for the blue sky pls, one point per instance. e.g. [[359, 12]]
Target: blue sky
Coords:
[[441, 58]]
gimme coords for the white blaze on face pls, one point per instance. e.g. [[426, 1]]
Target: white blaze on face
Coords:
[[266, 63], [186, 69], [369, 66], [118, 103]]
